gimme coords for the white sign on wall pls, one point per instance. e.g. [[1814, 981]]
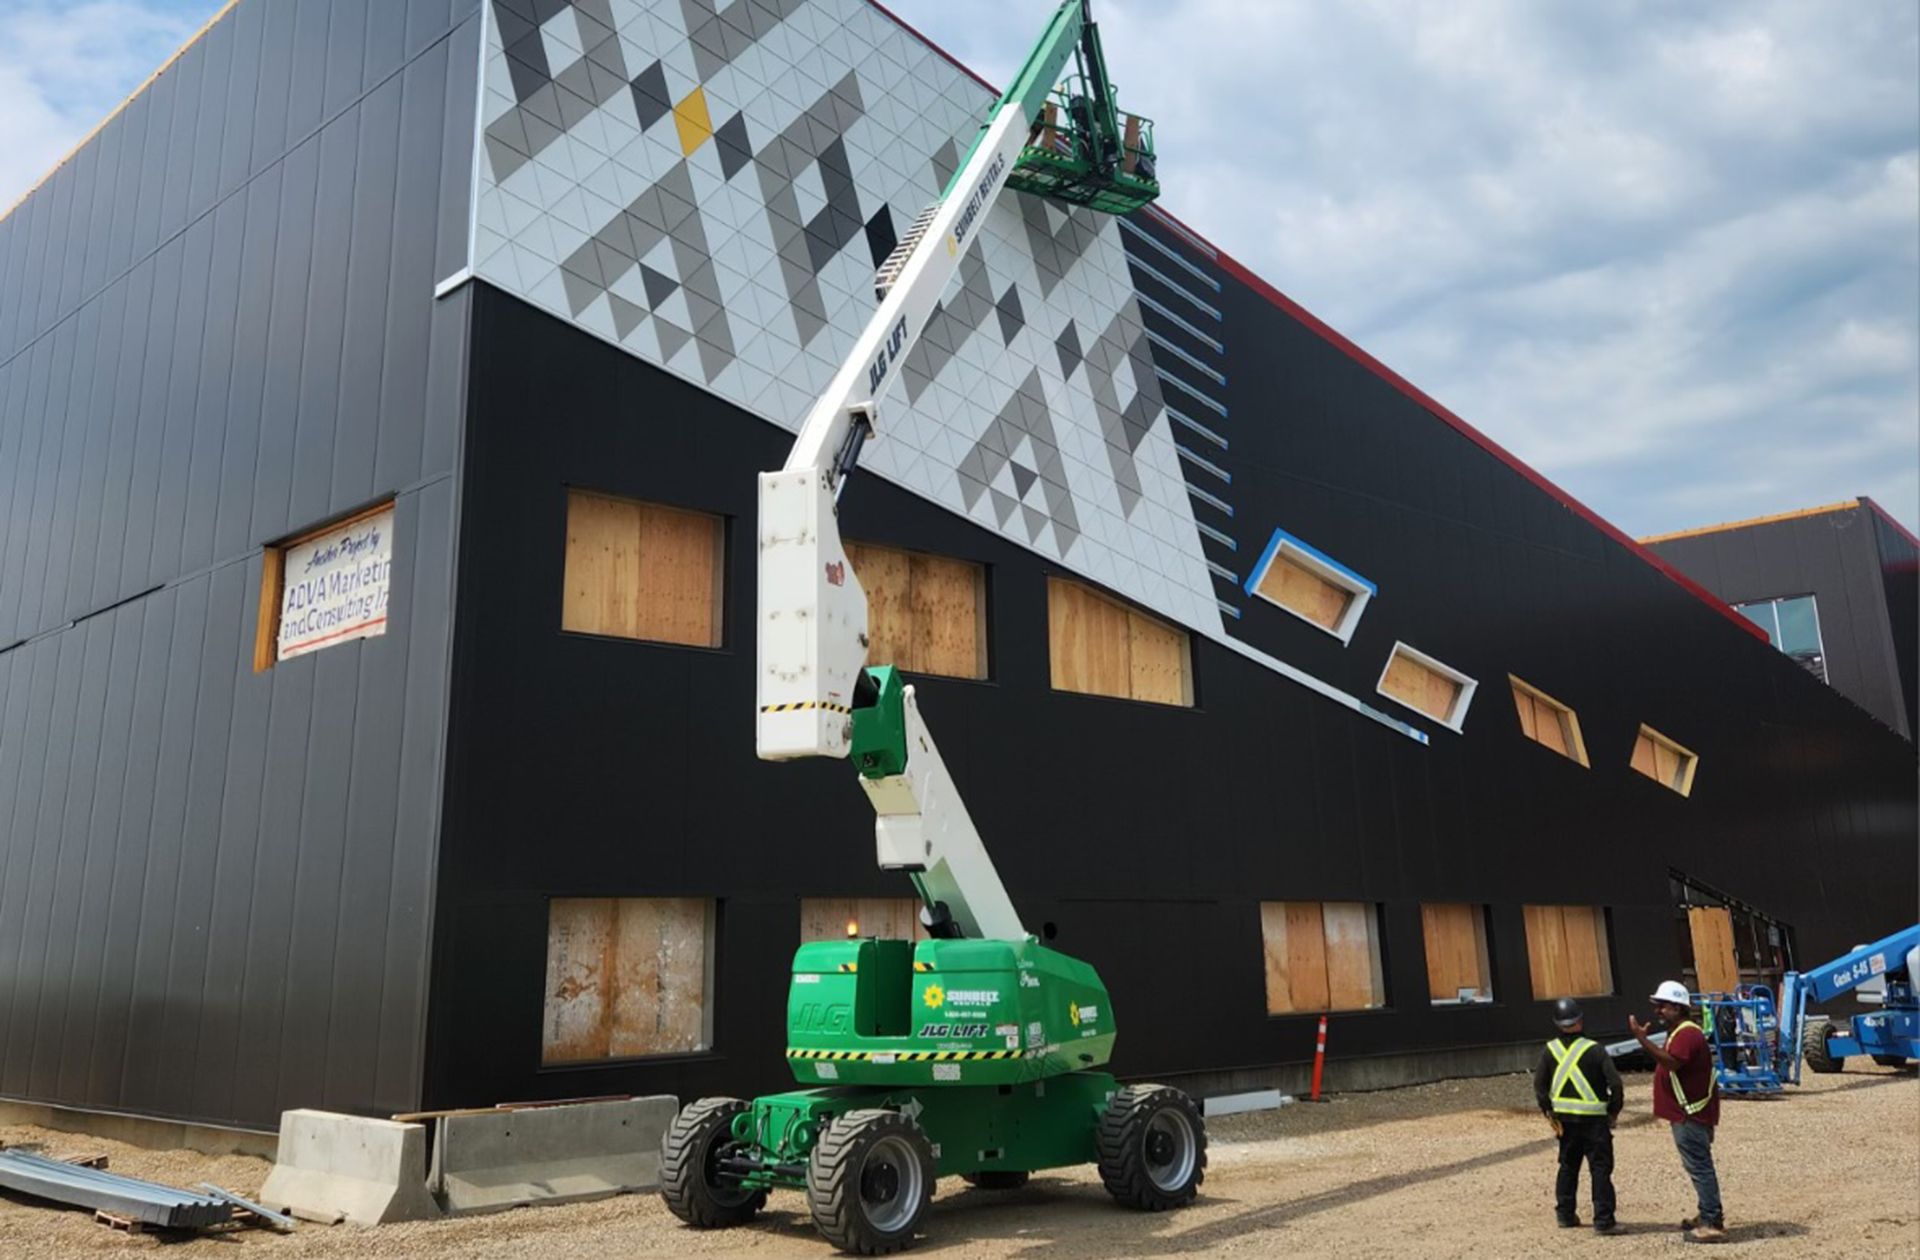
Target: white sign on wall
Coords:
[[334, 585]]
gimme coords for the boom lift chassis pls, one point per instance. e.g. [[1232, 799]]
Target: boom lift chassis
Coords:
[[975, 1052], [1759, 1043]]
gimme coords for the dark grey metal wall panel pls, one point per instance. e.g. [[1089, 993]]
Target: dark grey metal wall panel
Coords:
[[217, 328], [1833, 556], [1900, 575]]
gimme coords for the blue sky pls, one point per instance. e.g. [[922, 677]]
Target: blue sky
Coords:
[[1669, 254]]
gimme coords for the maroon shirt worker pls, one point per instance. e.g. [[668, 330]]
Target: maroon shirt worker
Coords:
[[1684, 1096]]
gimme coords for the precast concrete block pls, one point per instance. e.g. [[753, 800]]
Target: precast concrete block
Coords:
[[334, 1167], [490, 1161]]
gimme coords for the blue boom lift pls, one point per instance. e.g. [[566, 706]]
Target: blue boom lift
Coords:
[[1760, 1044]]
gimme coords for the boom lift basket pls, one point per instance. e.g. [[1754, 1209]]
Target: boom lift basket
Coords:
[[1070, 157]]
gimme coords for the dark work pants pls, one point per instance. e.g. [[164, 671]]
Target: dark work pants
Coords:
[[1590, 1140]]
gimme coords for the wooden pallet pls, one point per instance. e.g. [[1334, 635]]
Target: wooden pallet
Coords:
[[122, 1223]]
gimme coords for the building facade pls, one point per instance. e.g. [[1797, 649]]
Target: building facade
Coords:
[[381, 392], [1836, 588]]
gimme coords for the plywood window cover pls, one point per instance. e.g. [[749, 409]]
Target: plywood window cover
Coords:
[[1173, 644], [1455, 720], [923, 655], [1301, 978], [715, 611], [273, 572], [1322, 566], [1577, 743], [1569, 951], [610, 990], [1689, 760], [1444, 965]]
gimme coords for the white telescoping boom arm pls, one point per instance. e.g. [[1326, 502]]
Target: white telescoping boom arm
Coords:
[[812, 618]]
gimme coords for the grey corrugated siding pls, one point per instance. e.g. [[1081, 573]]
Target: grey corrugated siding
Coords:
[[217, 328]]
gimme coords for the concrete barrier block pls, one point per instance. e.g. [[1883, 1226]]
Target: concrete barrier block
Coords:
[[495, 1160], [333, 1167]]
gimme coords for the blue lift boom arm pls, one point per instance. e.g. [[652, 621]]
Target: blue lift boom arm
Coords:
[[1892, 954]]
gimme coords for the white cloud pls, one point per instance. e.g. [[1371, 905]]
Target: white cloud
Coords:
[[63, 67], [1668, 254]]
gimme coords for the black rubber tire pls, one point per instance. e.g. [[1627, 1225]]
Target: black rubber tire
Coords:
[[687, 1150], [837, 1181], [997, 1179], [1890, 1060], [1122, 1141], [1813, 1047]]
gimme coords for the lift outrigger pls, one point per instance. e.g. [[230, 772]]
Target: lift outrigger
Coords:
[[976, 1052]]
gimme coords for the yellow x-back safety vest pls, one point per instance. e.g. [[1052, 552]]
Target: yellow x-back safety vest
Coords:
[[1679, 1090], [1572, 1092]]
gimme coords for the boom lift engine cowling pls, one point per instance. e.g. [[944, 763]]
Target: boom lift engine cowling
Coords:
[[976, 1052]]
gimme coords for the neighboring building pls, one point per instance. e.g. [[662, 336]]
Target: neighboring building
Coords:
[[1837, 588], [381, 393]]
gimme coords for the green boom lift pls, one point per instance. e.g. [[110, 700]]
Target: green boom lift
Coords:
[[976, 1052]]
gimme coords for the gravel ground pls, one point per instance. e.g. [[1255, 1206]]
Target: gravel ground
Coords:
[[1463, 1168]]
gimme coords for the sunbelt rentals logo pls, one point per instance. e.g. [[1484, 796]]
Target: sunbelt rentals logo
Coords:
[[934, 997]]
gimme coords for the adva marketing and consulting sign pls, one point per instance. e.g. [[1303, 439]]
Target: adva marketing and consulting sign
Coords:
[[334, 585]]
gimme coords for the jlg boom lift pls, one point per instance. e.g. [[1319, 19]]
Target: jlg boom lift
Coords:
[[975, 1052]]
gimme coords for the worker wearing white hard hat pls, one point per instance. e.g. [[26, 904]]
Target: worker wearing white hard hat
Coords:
[[1684, 1096]]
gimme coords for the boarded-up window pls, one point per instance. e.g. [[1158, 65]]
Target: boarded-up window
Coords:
[[890, 918], [325, 587], [626, 977], [1100, 647], [1311, 586], [1458, 966], [642, 571], [1567, 951], [925, 613], [1546, 721], [1426, 686], [1321, 956], [1664, 761], [1715, 962]]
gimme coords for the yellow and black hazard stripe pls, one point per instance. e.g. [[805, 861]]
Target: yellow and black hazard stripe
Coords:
[[956, 1056], [905, 1056], [797, 705], [838, 1055], [922, 966], [849, 966]]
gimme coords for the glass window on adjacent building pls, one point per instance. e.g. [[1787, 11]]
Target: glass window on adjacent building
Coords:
[[1792, 623]]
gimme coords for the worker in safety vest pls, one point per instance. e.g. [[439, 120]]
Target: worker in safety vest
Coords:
[[1684, 1096], [1578, 1090]]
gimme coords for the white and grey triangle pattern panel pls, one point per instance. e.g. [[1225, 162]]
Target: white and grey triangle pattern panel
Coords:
[[711, 184]]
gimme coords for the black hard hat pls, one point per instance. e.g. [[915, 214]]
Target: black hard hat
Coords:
[[1567, 1013]]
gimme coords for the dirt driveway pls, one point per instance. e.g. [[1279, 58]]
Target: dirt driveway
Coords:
[[1457, 1169]]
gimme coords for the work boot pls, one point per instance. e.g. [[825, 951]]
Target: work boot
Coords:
[[1567, 1222], [1706, 1233], [1607, 1227]]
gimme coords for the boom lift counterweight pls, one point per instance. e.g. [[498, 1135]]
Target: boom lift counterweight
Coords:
[[975, 1052]]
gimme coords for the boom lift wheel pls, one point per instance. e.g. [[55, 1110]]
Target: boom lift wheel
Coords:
[[1813, 1047], [1153, 1148], [869, 1182], [690, 1151]]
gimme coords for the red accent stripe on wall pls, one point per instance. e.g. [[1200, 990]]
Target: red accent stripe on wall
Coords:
[[1239, 272], [1234, 268]]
